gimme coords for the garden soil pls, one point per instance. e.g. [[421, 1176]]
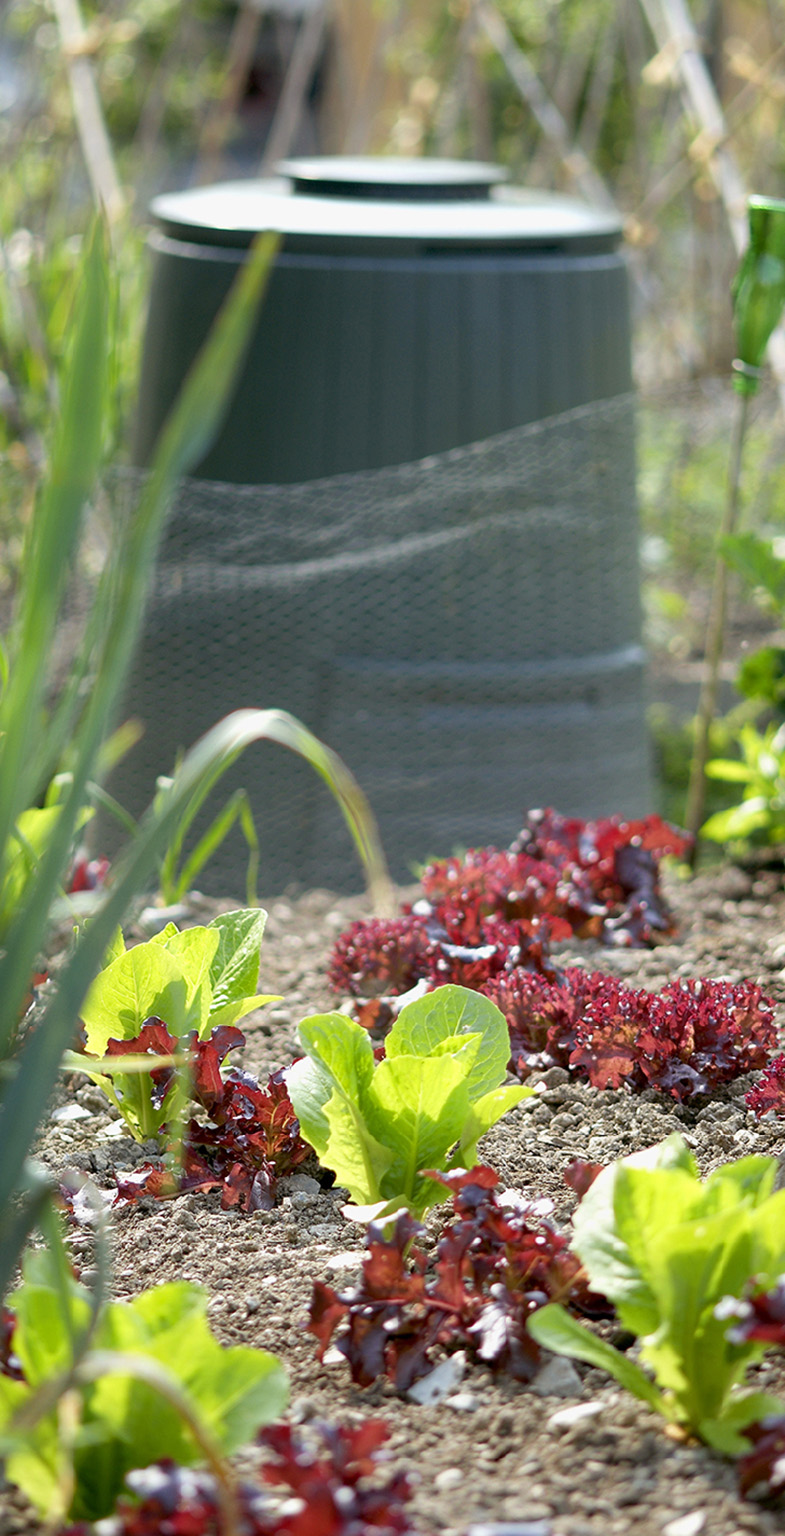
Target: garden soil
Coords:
[[492, 1451]]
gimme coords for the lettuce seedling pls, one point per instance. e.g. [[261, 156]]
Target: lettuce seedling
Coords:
[[424, 1107], [495, 1263], [667, 1250], [121, 1419], [197, 980]]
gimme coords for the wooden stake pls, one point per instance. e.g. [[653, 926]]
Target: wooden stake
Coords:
[[715, 637], [239, 57], [302, 64], [88, 114]]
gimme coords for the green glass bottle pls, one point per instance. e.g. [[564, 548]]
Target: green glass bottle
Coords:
[[758, 290]]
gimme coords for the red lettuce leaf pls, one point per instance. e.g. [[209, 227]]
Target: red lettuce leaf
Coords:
[[249, 1136], [760, 1317], [769, 1091], [494, 910], [153, 1039], [688, 1039], [579, 1176], [494, 1266], [10, 1365], [331, 1472], [764, 1466]]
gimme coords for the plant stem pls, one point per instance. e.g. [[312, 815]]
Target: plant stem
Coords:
[[715, 638]]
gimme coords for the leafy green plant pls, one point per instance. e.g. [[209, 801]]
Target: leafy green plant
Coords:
[[25, 847], [144, 1379], [760, 816], [668, 1251], [379, 1125], [196, 981], [758, 292]]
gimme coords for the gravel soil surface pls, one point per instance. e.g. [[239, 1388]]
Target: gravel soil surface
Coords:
[[494, 1451]]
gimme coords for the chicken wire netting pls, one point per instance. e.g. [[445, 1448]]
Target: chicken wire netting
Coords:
[[464, 631]]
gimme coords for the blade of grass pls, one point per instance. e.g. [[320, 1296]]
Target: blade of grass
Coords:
[[174, 886], [54, 533]]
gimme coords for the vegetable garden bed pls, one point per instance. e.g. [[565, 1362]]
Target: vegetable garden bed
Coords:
[[566, 1454]]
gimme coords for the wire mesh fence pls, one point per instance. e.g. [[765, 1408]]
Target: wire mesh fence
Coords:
[[464, 631]]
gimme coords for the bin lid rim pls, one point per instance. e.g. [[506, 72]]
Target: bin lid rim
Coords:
[[233, 212], [388, 176]]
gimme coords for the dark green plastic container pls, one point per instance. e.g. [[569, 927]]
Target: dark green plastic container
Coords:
[[416, 305]]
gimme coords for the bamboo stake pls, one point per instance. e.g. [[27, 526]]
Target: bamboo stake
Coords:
[[599, 88], [715, 637], [90, 125], [302, 64], [239, 55]]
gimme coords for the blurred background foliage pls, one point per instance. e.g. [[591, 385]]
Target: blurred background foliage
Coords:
[[190, 91]]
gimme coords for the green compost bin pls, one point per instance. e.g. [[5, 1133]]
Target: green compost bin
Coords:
[[417, 528], [415, 306]]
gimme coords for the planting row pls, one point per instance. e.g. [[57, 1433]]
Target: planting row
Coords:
[[691, 1270]]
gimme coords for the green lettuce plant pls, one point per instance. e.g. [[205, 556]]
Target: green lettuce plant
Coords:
[[378, 1126], [196, 980], [142, 1379], [668, 1250]]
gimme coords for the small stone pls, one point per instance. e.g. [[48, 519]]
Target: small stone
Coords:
[[577, 1413], [302, 1199], [67, 1113], [302, 1409], [351, 1258], [557, 1378], [444, 1377], [686, 1525], [462, 1402], [282, 1017], [154, 919], [114, 1131], [451, 1477], [333, 1356], [511, 1528], [555, 1077], [744, 1138], [300, 1184]]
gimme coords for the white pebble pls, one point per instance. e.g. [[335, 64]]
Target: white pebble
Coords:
[[451, 1477], [686, 1525], [564, 1418]]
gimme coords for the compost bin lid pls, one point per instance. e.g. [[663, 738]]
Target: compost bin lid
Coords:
[[335, 204]]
